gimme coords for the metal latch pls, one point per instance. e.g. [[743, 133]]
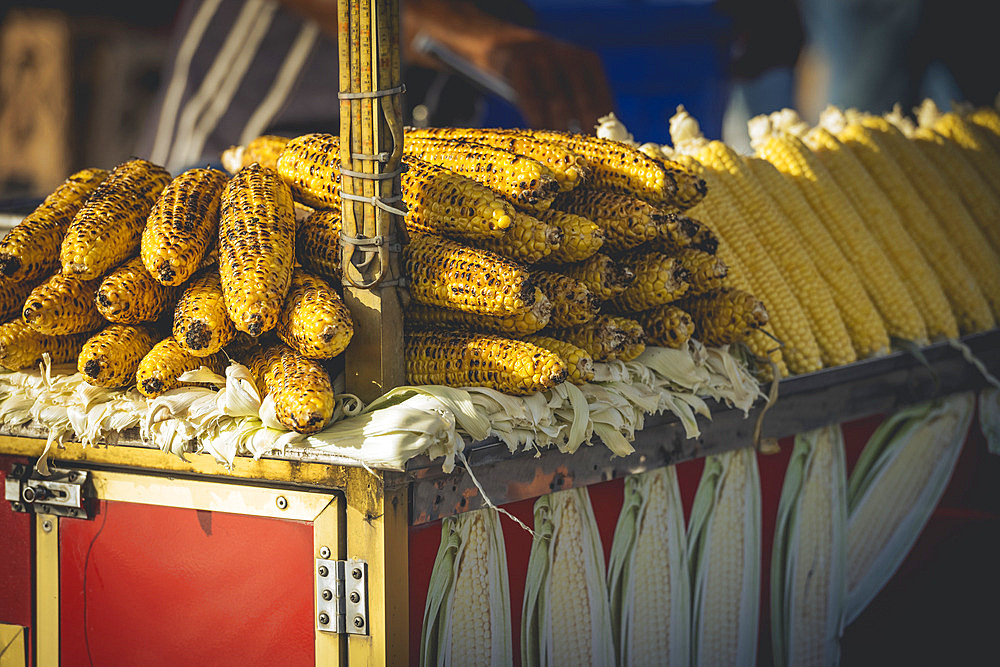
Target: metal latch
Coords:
[[60, 493], [341, 595]]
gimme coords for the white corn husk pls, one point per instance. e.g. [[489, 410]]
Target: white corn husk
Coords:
[[547, 606], [662, 529], [445, 614], [724, 538], [894, 488], [809, 558], [989, 418]]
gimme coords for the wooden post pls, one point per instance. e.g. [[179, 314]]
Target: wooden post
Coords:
[[371, 126]]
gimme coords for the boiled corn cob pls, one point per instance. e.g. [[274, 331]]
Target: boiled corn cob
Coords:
[[299, 387], [602, 338], [31, 249], [579, 364], [666, 326], [63, 304], [317, 242], [107, 229], [706, 272], [23, 347], [314, 321], [256, 247], [529, 240], [568, 168], [180, 227], [976, 146], [264, 149], [648, 576], [161, 368], [309, 165], [565, 618], [605, 277], [448, 274], [626, 221], [887, 227], [659, 279], [724, 316], [525, 182], [111, 357], [201, 322], [13, 294], [572, 302], [858, 311], [524, 322], [468, 359], [467, 612], [635, 338], [581, 238], [881, 281], [988, 120], [129, 295]]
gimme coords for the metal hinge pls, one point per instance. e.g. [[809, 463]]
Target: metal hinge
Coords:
[[59, 493], [341, 595]]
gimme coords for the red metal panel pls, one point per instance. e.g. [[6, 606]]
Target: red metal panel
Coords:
[[147, 585], [15, 557]]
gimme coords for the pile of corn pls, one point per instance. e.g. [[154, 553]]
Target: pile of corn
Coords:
[[859, 231]]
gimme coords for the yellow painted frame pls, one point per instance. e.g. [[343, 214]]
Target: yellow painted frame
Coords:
[[13, 648]]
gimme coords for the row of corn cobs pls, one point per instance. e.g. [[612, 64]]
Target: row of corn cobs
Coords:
[[531, 254], [860, 230]]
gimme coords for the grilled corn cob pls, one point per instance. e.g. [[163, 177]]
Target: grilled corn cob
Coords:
[[658, 280], [467, 359], [31, 249], [529, 240], [107, 229], [317, 243], [129, 295], [572, 302], [264, 149], [256, 247], [111, 357], [523, 323], [182, 225], [666, 326], [309, 164], [63, 304], [448, 274], [161, 368], [723, 316], [314, 321], [201, 323], [300, 387], [581, 237], [605, 277], [525, 182], [635, 338], [707, 272], [626, 221], [13, 294], [568, 168], [23, 347], [579, 364], [602, 338]]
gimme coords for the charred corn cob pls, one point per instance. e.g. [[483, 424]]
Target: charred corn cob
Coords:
[[707, 272], [666, 326], [31, 249], [317, 243], [108, 229], [13, 294], [201, 322], [568, 168], [658, 280], [623, 168], [527, 183], [703, 238], [111, 357], [22, 347], [723, 316], [448, 274], [129, 295], [635, 338], [581, 237], [523, 323], [579, 364], [679, 232], [626, 221], [264, 149], [314, 321], [467, 359], [601, 337], [300, 387], [529, 240], [182, 224], [256, 247], [63, 304], [309, 164], [161, 368], [572, 302], [605, 277]]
